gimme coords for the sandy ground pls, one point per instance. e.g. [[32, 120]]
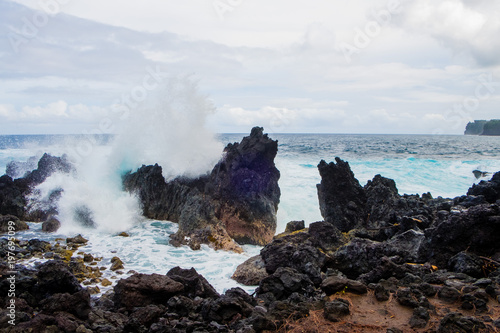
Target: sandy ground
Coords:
[[369, 315]]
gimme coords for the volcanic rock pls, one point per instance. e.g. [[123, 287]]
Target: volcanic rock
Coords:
[[342, 200], [11, 223], [237, 200], [251, 272], [143, 289]]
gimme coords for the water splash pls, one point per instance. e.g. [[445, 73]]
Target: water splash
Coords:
[[167, 128]]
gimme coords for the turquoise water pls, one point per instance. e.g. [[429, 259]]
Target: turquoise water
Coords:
[[441, 165]]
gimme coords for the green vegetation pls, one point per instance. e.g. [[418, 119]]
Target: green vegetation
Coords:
[[483, 127], [492, 127]]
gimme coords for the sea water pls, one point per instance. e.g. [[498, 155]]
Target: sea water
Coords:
[[441, 165]]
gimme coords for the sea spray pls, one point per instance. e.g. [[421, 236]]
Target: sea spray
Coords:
[[169, 129]]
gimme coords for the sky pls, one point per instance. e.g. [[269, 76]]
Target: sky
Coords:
[[294, 66]]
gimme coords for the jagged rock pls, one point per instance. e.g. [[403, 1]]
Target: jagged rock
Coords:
[[240, 196], [17, 169], [307, 250], [14, 191], [449, 294], [76, 240], [457, 323], [11, 223], [51, 225], [77, 303], [419, 318], [342, 200], [467, 263], [490, 190], [54, 277], [475, 230], [294, 226], [251, 272], [235, 303], [336, 309], [194, 283], [144, 289], [282, 283]]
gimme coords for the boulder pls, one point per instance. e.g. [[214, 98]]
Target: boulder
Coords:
[[336, 309], [282, 283], [144, 289], [55, 277], [237, 200], [11, 223], [251, 272], [51, 225], [195, 285]]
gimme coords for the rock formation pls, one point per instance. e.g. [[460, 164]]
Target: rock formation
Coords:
[[237, 200], [13, 192]]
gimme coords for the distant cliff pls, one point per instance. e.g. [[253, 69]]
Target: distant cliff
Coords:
[[483, 127]]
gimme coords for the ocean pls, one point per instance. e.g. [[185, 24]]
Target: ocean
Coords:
[[439, 164]]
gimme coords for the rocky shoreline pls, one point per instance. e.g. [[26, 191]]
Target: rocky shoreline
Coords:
[[378, 262]]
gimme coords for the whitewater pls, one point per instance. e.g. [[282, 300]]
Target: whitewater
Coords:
[[170, 130]]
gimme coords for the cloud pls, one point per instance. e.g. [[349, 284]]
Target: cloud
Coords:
[[466, 27]]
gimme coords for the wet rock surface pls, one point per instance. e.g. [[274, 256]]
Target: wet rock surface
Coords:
[[237, 200], [408, 263], [13, 192]]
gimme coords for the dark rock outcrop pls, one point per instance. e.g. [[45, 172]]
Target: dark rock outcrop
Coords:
[[11, 223], [237, 200], [13, 192], [342, 200], [143, 289]]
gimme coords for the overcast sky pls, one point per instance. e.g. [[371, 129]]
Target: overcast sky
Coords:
[[408, 66]]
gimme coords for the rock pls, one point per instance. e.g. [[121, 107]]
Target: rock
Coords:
[[296, 252], [77, 303], [457, 323], [251, 272], [381, 293], [449, 294], [51, 225], [336, 309], [123, 234], [490, 190], [106, 283], [55, 277], [448, 237], [419, 318], [294, 226], [467, 263], [334, 284], [284, 282], [240, 196], [18, 169], [14, 191], [11, 223], [116, 264], [76, 240], [144, 289], [195, 285], [234, 304], [342, 200], [407, 297]]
